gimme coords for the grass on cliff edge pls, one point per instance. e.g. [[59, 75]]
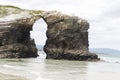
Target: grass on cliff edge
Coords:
[[6, 10], [8, 6]]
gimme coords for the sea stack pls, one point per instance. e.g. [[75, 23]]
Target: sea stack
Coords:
[[67, 36]]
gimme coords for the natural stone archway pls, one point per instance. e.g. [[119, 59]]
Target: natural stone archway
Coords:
[[38, 33], [67, 37]]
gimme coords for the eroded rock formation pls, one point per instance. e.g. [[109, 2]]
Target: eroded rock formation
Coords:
[[15, 41], [67, 36]]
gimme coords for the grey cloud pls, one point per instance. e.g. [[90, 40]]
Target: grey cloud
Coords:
[[113, 13]]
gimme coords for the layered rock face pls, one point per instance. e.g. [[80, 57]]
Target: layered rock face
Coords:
[[67, 36], [15, 41]]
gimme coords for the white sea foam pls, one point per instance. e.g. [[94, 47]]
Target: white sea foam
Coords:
[[111, 59], [42, 54], [12, 67]]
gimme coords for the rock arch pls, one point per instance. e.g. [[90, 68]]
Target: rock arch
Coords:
[[38, 33], [67, 37]]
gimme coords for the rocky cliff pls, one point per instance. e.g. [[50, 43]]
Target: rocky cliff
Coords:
[[67, 36], [15, 27]]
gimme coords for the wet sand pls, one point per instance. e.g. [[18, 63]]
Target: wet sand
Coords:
[[10, 77]]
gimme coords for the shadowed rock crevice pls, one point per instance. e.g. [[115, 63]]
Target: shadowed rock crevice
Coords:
[[67, 36], [15, 41]]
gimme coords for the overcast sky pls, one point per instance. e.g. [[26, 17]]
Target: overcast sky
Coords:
[[103, 16]]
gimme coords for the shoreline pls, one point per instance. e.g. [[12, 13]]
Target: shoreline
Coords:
[[10, 77]]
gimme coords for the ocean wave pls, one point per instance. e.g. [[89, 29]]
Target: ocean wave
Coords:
[[12, 67], [110, 59]]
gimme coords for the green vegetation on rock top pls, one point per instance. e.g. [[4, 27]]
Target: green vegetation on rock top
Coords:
[[33, 12], [6, 10], [8, 6]]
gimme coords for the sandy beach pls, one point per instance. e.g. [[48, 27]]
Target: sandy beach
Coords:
[[42, 69], [10, 77]]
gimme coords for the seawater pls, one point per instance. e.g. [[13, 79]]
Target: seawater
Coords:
[[42, 69]]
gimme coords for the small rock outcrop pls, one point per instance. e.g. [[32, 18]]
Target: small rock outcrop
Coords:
[[67, 36]]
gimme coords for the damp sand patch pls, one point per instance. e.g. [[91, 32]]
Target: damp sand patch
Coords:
[[11, 77]]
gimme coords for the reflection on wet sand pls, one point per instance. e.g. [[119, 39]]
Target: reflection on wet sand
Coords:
[[65, 70], [10, 77]]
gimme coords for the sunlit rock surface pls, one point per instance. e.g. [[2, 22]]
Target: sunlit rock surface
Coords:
[[67, 36]]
